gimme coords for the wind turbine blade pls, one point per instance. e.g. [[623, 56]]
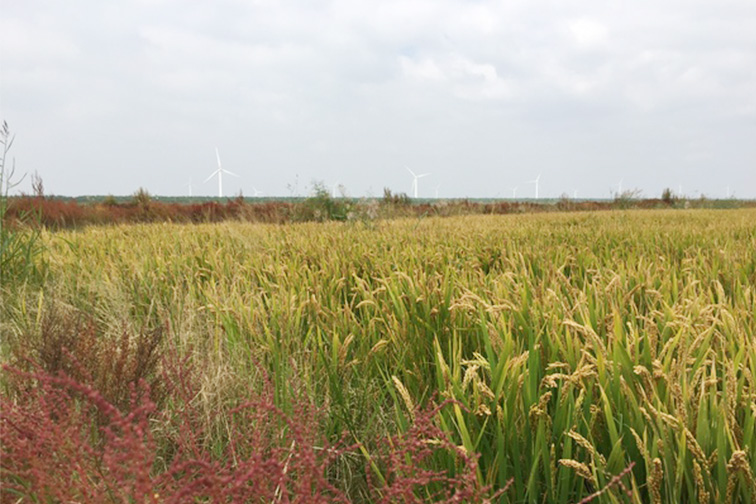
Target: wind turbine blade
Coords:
[[217, 155], [423, 175], [211, 176], [413, 173], [230, 173]]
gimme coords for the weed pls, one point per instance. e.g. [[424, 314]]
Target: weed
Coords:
[[20, 245]]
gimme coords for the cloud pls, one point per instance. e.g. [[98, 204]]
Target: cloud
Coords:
[[588, 33], [461, 77], [23, 41], [318, 88]]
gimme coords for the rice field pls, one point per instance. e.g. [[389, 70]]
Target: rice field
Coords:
[[570, 353]]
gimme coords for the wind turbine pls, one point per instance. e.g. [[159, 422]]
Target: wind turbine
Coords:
[[257, 193], [415, 179], [619, 188], [514, 192], [219, 172], [535, 181], [336, 186], [190, 187], [437, 187]]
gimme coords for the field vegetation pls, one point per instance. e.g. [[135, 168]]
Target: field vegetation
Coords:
[[141, 207], [559, 357]]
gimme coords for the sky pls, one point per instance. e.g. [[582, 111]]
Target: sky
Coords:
[[485, 96]]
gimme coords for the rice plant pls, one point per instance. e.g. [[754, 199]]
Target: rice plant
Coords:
[[603, 357]]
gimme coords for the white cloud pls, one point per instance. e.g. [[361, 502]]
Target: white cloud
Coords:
[[588, 87], [425, 69], [588, 33], [26, 42]]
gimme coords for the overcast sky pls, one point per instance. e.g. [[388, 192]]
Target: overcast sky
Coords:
[[106, 97]]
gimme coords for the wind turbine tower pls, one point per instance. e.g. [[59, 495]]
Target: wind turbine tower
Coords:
[[415, 179], [535, 181], [220, 171], [338, 189]]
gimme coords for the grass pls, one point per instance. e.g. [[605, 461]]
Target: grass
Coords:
[[555, 351]]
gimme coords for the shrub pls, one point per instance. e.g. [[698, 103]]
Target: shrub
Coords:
[[141, 198], [322, 207], [398, 199], [406, 478], [64, 441], [668, 196], [626, 199]]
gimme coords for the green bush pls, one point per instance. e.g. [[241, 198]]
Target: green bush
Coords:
[[322, 207]]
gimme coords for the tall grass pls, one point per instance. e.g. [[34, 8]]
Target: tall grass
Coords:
[[19, 243], [564, 348]]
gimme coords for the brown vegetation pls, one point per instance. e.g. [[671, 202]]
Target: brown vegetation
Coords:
[[57, 213]]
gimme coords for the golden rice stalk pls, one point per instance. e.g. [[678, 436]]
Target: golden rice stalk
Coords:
[[538, 411], [588, 332], [470, 376], [483, 410], [641, 446], [666, 417], [645, 414], [557, 365], [553, 461], [581, 469], [477, 360], [586, 355], [579, 401], [584, 371], [552, 380], [344, 350], [382, 343], [739, 464], [712, 459], [644, 373], [580, 440], [520, 359], [659, 372], [747, 375], [732, 394], [485, 390], [405, 396], [679, 402], [666, 348], [655, 476], [703, 496], [694, 447]]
